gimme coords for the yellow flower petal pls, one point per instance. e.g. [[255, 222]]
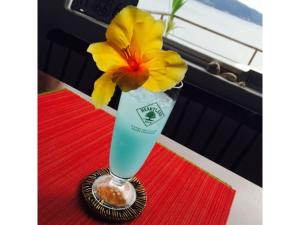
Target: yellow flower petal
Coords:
[[105, 56], [129, 80], [120, 30], [166, 69], [104, 89], [132, 57], [147, 36]]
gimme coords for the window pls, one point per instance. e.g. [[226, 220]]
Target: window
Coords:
[[227, 30]]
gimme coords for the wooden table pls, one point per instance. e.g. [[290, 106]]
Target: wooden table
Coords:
[[247, 205]]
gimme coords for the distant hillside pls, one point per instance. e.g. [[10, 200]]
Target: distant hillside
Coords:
[[236, 8]]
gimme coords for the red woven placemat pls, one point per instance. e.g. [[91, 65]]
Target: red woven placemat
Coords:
[[74, 141]]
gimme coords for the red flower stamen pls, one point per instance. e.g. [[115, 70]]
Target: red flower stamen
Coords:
[[132, 62]]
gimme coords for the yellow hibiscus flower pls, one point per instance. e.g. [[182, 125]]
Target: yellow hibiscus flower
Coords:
[[132, 57]]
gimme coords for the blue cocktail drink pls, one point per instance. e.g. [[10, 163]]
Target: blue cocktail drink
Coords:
[[141, 116], [150, 78], [140, 119]]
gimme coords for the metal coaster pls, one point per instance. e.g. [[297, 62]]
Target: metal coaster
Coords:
[[111, 215]]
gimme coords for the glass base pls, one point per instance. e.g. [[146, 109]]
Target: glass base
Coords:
[[113, 192]]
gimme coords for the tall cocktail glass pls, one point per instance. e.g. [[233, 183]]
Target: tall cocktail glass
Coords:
[[141, 116]]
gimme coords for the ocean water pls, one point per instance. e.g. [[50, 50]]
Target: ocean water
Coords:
[[141, 117], [207, 42]]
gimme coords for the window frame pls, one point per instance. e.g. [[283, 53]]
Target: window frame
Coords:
[[245, 73]]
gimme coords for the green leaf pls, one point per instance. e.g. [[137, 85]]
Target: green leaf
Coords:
[[176, 5]]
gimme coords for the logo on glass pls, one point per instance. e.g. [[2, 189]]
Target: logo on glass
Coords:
[[150, 114]]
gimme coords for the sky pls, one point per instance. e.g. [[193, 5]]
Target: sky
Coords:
[[256, 4]]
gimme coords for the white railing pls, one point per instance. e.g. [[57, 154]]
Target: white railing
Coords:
[[255, 49]]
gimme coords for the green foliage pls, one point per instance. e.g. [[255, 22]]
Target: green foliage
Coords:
[[176, 5]]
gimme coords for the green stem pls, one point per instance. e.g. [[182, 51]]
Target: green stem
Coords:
[[176, 5]]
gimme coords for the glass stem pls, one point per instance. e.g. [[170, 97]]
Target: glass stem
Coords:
[[117, 180]]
